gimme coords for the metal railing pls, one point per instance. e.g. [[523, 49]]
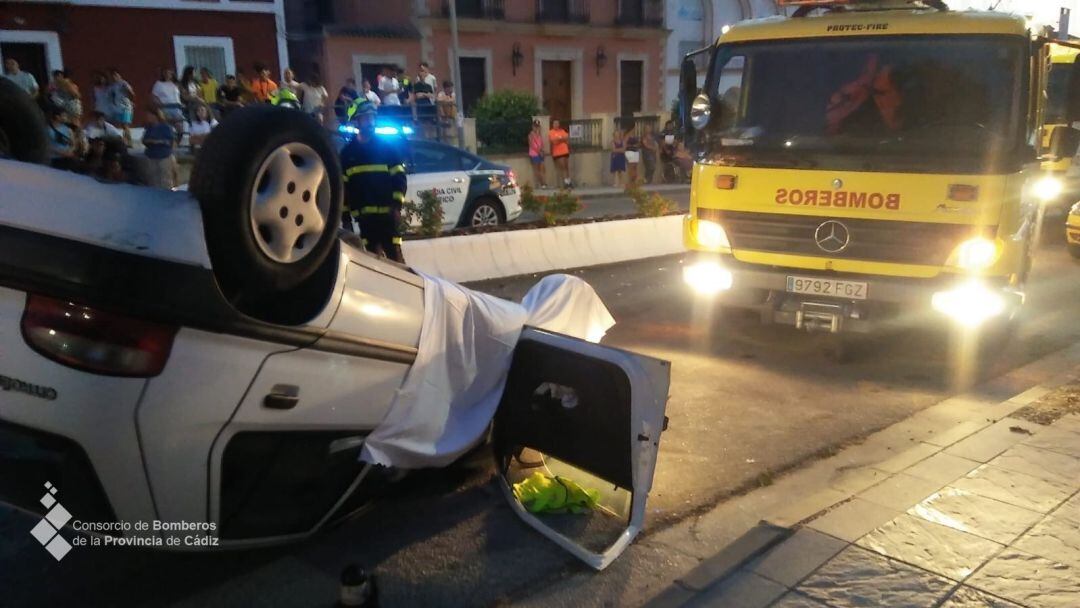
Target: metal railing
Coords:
[[634, 126], [562, 11], [477, 9], [640, 13], [585, 134]]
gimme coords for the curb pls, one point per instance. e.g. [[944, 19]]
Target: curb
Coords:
[[617, 192], [478, 257]]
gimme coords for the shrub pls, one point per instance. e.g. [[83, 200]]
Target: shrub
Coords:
[[504, 119], [649, 204], [428, 212], [562, 204]]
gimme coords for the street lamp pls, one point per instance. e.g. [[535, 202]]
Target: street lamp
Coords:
[[516, 57], [601, 59]]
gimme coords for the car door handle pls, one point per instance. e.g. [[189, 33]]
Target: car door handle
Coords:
[[282, 397], [458, 180]]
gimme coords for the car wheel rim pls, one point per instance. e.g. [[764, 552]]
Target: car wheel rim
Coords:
[[290, 202], [485, 215]]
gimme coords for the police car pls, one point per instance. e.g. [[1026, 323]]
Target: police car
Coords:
[[217, 360], [473, 191]]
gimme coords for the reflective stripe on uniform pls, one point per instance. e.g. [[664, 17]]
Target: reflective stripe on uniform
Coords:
[[396, 240], [399, 197], [373, 210], [354, 213], [397, 169], [357, 169]]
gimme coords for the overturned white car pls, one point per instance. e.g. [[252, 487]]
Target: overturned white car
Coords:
[[226, 360]]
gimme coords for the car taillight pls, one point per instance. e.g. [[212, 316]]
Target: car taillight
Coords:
[[95, 341]]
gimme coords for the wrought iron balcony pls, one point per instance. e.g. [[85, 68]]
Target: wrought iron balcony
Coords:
[[477, 9], [640, 13], [562, 11]]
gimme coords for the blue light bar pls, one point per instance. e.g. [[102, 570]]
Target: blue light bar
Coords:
[[386, 131], [348, 129], [407, 130]]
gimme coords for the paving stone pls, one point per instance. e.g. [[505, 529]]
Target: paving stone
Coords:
[[908, 457], [797, 557], [900, 491], [742, 590], [797, 600], [1056, 440], [957, 433], [993, 440], [1069, 423], [1014, 488], [672, 596], [857, 577], [853, 481], [1070, 510], [853, 519], [747, 547], [1030, 580], [931, 546], [991, 519], [942, 468], [1055, 538], [801, 509], [1032, 394], [966, 597], [1039, 463]]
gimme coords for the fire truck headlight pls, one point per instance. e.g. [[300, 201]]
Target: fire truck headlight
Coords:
[[707, 278], [970, 304], [976, 254], [711, 235], [1048, 188]]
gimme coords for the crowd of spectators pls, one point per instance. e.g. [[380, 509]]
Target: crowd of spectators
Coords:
[[420, 99], [100, 142]]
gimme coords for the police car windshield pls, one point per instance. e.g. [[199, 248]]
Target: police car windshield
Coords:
[[916, 96]]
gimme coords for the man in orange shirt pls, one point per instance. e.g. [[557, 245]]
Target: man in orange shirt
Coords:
[[560, 151], [262, 87]]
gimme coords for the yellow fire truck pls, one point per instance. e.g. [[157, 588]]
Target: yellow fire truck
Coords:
[[865, 163], [1060, 185]]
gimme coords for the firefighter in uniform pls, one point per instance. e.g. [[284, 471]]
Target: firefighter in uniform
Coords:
[[285, 98], [375, 183]]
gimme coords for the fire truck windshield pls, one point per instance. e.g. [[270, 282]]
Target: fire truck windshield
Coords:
[[882, 97]]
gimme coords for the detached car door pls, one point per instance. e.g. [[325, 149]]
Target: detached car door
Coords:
[[439, 168], [579, 412]]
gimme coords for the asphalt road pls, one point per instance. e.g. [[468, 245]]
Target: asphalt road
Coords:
[[747, 402]]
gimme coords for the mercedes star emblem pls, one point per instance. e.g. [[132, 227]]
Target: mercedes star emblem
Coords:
[[832, 236]]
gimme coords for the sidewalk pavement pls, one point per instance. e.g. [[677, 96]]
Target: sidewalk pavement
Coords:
[[611, 191], [972, 502]]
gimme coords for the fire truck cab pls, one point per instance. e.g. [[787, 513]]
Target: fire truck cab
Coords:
[[869, 163]]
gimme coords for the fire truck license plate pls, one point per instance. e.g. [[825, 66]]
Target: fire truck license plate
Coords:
[[853, 290]]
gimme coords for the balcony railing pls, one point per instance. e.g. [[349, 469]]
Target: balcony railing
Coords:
[[477, 9], [562, 11], [640, 13]]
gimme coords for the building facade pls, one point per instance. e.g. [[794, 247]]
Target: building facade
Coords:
[[579, 57], [140, 37], [697, 23]]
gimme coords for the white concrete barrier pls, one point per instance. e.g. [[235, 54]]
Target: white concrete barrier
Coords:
[[477, 257]]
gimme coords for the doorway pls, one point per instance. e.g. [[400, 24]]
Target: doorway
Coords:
[[556, 89], [631, 87], [473, 82], [32, 58]]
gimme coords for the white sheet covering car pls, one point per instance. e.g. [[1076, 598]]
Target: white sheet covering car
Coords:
[[164, 357]]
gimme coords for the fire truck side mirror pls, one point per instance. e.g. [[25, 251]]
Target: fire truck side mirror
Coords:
[[1072, 99], [688, 89]]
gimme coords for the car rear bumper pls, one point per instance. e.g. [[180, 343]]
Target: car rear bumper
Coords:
[[889, 301]]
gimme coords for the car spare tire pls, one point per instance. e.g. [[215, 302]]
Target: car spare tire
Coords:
[[269, 185], [22, 126]]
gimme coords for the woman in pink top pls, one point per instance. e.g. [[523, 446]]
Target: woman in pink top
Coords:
[[536, 155]]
